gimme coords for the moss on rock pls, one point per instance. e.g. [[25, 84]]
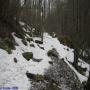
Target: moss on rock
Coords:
[[28, 55]]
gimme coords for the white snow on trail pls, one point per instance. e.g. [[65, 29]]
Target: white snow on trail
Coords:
[[14, 74]]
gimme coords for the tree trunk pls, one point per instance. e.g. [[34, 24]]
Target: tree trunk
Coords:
[[42, 37], [76, 55], [88, 83]]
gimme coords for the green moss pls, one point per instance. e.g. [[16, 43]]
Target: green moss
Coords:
[[28, 55], [24, 42], [9, 51], [39, 77], [52, 86], [7, 44], [5, 47]]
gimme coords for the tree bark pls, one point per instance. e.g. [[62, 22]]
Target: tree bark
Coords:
[[76, 55], [88, 83]]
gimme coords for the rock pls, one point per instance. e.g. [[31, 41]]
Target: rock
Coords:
[[24, 42], [62, 59], [42, 48], [28, 55], [29, 39], [37, 60], [15, 60], [30, 75], [67, 49], [39, 42], [32, 45], [50, 62]]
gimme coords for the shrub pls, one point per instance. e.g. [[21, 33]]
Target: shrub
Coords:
[[52, 53], [28, 55], [52, 86], [7, 45], [35, 77], [24, 42], [39, 42], [6, 48], [9, 50], [39, 78]]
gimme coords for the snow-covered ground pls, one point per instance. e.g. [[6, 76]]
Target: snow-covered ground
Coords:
[[14, 74], [68, 55]]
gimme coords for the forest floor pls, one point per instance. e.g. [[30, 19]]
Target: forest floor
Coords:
[[48, 68]]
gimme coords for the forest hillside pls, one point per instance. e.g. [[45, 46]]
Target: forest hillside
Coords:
[[44, 44]]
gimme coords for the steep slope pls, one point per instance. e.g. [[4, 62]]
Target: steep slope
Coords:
[[13, 67]]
